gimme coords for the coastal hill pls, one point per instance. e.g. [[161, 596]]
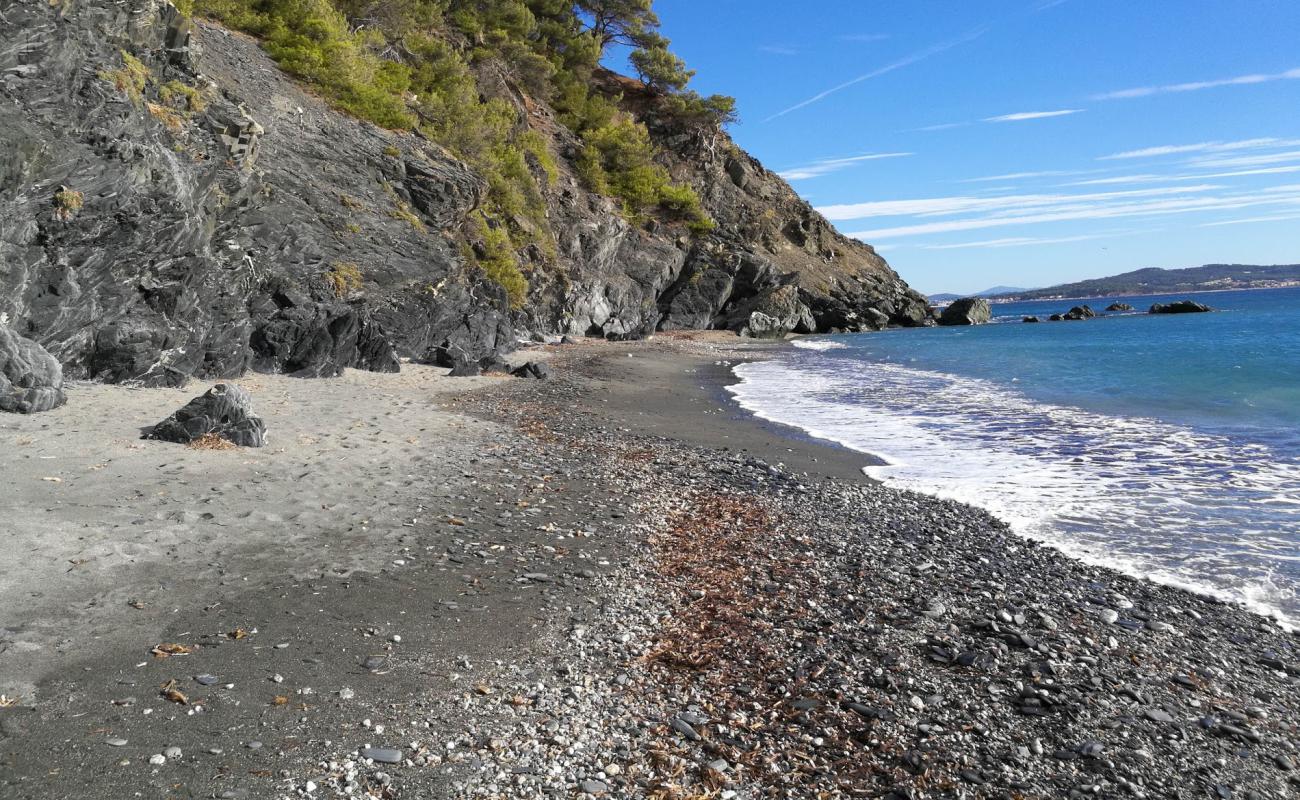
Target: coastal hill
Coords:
[[993, 291], [1209, 278], [200, 190]]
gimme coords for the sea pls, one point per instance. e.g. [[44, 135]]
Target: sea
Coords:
[[1166, 446]]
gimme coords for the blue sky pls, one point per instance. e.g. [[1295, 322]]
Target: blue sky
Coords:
[[1023, 143]]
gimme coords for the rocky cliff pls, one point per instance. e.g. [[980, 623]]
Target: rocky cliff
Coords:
[[173, 205]]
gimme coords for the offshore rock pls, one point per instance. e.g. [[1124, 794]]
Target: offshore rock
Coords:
[[1180, 307], [1079, 313], [967, 311], [31, 379], [225, 411], [1119, 307]]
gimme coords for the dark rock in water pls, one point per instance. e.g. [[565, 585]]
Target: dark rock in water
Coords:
[[225, 410], [1030, 319], [1079, 312], [31, 380], [1119, 307], [532, 369], [967, 311], [1056, 318], [1179, 307]]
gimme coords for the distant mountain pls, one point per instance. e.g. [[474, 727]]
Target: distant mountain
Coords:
[[946, 297], [1209, 278]]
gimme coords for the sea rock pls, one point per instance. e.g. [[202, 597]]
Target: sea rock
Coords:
[[967, 311], [1179, 307], [1079, 312], [31, 380], [1056, 318], [1119, 307], [225, 410], [1030, 319]]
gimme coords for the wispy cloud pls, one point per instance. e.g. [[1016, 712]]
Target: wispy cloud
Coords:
[[863, 37], [1202, 147], [1196, 176], [906, 61], [829, 165], [1194, 86], [778, 50], [1189, 200], [939, 206], [1218, 162], [943, 126], [1246, 220], [1027, 115], [1024, 241], [1015, 176]]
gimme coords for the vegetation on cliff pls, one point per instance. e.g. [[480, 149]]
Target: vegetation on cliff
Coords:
[[449, 69]]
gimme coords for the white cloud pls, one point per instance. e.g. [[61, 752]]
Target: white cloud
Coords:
[[1185, 203], [1248, 161], [1240, 80], [1025, 115], [827, 166], [1011, 176], [1022, 241], [906, 61], [1199, 176], [1275, 218], [941, 206], [1202, 147], [943, 126]]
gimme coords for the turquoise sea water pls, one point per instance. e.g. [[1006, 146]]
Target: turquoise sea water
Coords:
[[1164, 445]]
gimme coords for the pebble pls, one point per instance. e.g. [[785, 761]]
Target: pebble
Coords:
[[383, 755], [115, 742], [254, 745], [172, 752], [1108, 615], [157, 759], [205, 680]]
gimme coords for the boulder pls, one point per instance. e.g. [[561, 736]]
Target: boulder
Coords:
[[1056, 318], [31, 379], [532, 369], [774, 314], [967, 311], [1180, 307], [225, 411], [1119, 307], [1030, 319], [466, 369], [1079, 312]]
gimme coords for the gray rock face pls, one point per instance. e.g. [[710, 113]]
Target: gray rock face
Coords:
[[1079, 313], [31, 379], [225, 410], [967, 311], [1119, 307], [1180, 307]]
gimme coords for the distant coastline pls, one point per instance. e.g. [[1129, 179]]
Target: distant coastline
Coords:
[[1153, 281], [1024, 299]]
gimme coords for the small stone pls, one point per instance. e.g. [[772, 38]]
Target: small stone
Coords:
[[1108, 615], [172, 752], [205, 680], [254, 745], [1283, 763], [115, 742], [346, 694], [593, 786], [719, 765], [384, 755], [1157, 715], [684, 728], [157, 759]]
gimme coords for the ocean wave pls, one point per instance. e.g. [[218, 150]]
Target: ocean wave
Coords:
[[1162, 501]]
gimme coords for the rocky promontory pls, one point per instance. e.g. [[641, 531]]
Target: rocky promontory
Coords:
[[173, 205]]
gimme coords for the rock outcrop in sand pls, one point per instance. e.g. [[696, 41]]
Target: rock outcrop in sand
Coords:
[[31, 379], [225, 411], [172, 205]]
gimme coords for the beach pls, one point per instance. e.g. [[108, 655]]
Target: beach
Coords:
[[612, 583]]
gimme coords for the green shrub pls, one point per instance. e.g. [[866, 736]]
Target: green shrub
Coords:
[[130, 79], [343, 278], [499, 262]]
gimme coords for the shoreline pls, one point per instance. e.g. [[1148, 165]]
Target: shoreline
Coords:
[[614, 586]]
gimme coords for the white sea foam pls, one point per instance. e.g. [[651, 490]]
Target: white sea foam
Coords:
[[817, 344], [1160, 501]]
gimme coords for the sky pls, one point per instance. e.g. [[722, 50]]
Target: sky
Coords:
[[1020, 142]]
